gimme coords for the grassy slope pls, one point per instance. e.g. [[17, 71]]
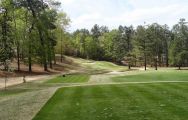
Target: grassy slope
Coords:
[[118, 102], [170, 75], [70, 79], [97, 66], [23, 101]]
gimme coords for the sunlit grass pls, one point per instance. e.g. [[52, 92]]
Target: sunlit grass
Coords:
[[163, 75], [70, 79], [118, 102]]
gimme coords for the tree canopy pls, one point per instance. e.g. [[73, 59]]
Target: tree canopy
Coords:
[[34, 31]]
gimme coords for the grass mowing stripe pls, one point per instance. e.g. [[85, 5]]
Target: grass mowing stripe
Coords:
[[154, 95], [153, 76], [154, 102], [175, 90], [172, 93], [74, 107], [63, 104], [70, 79], [125, 100], [102, 103], [138, 106], [172, 90], [56, 103], [118, 102], [180, 86], [110, 111], [92, 97], [86, 107]]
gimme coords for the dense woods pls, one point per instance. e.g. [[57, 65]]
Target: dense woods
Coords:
[[34, 31], [146, 45], [29, 31]]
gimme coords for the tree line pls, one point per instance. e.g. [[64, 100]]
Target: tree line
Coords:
[[34, 31], [28, 31], [147, 45]]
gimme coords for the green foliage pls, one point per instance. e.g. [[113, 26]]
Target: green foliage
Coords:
[[28, 31], [102, 44], [149, 45], [109, 47], [33, 31], [179, 46], [6, 38]]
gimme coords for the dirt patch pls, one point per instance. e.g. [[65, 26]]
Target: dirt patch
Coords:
[[37, 69], [24, 106], [19, 80]]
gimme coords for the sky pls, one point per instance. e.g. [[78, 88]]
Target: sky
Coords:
[[112, 13]]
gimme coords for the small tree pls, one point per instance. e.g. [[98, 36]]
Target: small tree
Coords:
[[130, 60], [181, 57]]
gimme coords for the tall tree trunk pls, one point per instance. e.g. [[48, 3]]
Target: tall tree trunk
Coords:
[[61, 45], [129, 66], [29, 49], [29, 58], [166, 50], [50, 60], [54, 56], [17, 42], [167, 60], [30, 65], [22, 54], [50, 57], [18, 56], [145, 59], [145, 62], [43, 50], [51, 65], [156, 64], [179, 67]]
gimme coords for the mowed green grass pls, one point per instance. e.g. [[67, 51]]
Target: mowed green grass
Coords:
[[161, 101], [98, 65], [108, 66], [170, 75], [70, 79]]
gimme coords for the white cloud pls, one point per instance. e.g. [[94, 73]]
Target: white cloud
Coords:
[[86, 13], [68, 2]]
